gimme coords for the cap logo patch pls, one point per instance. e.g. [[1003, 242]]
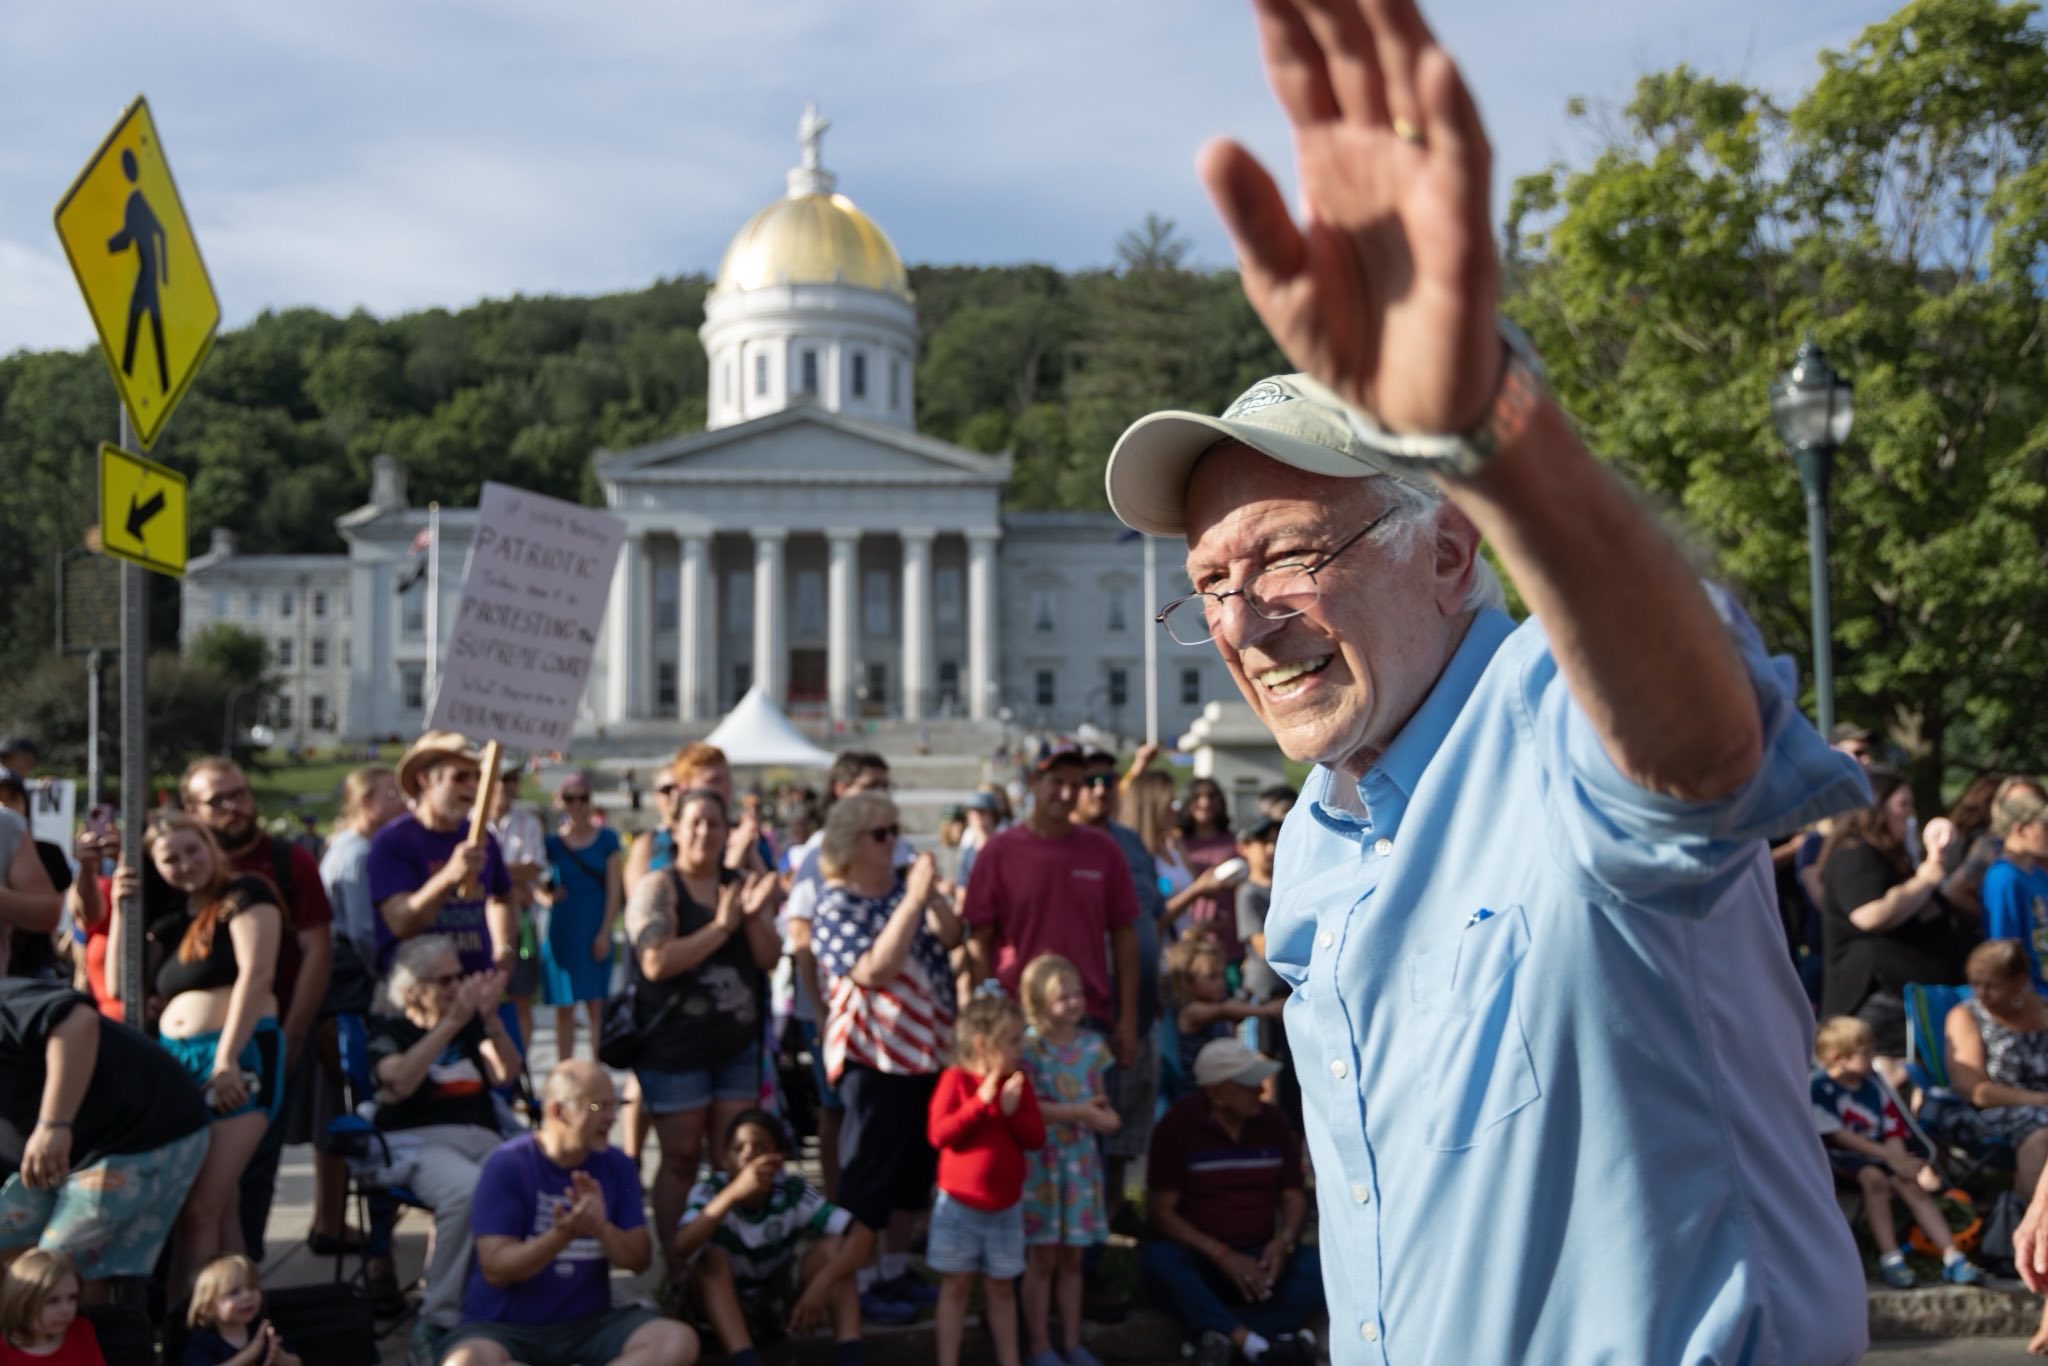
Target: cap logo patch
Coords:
[[1264, 394]]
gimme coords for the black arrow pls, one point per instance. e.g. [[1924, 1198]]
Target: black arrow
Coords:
[[140, 513]]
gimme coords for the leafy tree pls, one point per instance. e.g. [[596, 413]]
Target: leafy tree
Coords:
[[1898, 213]]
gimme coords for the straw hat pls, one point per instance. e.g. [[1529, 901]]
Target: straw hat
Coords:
[[432, 748]]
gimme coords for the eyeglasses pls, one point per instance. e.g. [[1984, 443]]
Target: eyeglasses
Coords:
[[609, 1108], [885, 834], [1275, 593], [221, 801], [446, 979]]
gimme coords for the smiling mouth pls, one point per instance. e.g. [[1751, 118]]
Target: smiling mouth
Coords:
[[1285, 680]]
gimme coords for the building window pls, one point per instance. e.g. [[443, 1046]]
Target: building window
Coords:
[[895, 383], [742, 678], [946, 598], [285, 602], [255, 605], [739, 602], [1044, 616], [220, 604], [1119, 689], [810, 371], [345, 652], [665, 590], [1042, 694], [665, 683], [413, 617], [760, 374], [319, 653], [320, 603], [1119, 607], [874, 602], [878, 682], [860, 374], [316, 712], [1191, 687], [412, 687], [810, 603], [949, 682], [284, 652]]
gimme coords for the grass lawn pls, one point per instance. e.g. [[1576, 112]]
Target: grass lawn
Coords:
[[288, 788]]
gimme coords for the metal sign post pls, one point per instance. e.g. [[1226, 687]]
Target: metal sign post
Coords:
[[134, 769]]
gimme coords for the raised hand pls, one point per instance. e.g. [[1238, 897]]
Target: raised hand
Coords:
[[1013, 1093], [1386, 292], [757, 1177], [920, 877], [729, 914], [991, 1082], [762, 891]]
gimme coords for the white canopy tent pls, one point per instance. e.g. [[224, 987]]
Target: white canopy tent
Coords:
[[755, 733]]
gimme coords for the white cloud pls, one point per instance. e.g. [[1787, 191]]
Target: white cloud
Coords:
[[391, 154]]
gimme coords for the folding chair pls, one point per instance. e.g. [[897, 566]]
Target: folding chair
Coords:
[[1927, 1009], [361, 1144]]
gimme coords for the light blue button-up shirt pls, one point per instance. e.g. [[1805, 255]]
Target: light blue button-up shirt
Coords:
[[1553, 1052]]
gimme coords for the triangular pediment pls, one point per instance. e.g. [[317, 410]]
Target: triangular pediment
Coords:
[[802, 444]]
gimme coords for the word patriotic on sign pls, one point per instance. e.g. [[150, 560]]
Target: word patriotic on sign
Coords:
[[533, 595]]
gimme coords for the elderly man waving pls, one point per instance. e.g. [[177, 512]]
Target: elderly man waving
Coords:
[[1553, 1056]]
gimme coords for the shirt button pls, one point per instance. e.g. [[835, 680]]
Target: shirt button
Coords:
[[1338, 1069], [1325, 939], [1384, 848], [1369, 1331], [1361, 1194]]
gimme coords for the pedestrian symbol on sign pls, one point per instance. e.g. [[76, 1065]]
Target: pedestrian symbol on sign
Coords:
[[141, 231]]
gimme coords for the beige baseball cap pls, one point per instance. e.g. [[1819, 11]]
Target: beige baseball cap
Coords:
[[1227, 1059], [1291, 418]]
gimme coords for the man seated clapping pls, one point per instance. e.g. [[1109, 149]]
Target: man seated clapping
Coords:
[[554, 1212], [1227, 1207]]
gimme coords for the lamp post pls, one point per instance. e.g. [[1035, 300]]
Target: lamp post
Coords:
[[1812, 407]]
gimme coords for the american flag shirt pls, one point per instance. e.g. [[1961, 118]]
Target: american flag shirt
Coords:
[[905, 1026]]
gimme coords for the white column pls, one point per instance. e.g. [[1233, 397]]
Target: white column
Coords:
[[841, 580], [917, 623], [629, 587], [696, 673], [981, 623], [770, 652]]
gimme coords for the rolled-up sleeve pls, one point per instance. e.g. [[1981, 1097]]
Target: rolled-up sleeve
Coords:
[[1650, 848]]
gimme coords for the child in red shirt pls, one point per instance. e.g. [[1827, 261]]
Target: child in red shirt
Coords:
[[984, 1118], [39, 1320]]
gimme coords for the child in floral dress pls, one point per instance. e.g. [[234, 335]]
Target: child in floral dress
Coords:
[[1063, 1201]]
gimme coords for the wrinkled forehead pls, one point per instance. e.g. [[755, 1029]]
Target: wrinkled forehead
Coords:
[[1240, 502]]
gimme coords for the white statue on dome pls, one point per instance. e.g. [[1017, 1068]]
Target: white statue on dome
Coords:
[[810, 131]]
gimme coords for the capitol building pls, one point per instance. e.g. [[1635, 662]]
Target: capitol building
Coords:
[[809, 542]]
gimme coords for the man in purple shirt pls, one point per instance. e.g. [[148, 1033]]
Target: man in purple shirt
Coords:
[[420, 861], [554, 1212]]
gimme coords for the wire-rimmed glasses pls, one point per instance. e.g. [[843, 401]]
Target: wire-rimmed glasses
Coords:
[[1275, 593]]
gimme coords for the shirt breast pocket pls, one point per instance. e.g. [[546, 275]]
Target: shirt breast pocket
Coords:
[[1471, 1021]]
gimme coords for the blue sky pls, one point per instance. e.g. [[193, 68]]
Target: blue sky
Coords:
[[398, 154]]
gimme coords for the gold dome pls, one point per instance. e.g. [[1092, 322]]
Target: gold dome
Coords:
[[812, 239]]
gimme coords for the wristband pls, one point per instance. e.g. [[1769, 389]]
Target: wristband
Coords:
[[53, 1123]]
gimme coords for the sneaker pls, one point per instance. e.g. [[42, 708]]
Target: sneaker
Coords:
[[912, 1289], [1962, 1272], [1210, 1349], [1081, 1356], [424, 1347], [878, 1306], [1897, 1274]]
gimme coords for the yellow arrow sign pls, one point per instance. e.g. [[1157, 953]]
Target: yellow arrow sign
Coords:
[[142, 511], [138, 263]]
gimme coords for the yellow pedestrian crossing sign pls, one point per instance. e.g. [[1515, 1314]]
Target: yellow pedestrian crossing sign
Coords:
[[142, 511], [138, 263]]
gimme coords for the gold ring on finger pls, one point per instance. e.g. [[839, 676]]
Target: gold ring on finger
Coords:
[[1407, 131]]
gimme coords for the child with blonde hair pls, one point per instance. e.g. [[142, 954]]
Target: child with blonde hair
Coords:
[[1064, 1211], [1202, 1008], [983, 1119], [226, 1318], [39, 1319], [1868, 1147]]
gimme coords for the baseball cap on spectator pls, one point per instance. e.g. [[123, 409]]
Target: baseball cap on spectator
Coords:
[[1848, 732], [1224, 1060], [20, 744], [1265, 829], [980, 801], [1059, 752]]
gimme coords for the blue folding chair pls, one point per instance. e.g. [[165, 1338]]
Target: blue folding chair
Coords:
[[1940, 1117], [362, 1145]]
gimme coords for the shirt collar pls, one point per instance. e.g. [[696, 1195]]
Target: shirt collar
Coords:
[[1381, 796]]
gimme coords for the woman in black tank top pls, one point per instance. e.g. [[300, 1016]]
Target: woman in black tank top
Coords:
[[220, 1020]]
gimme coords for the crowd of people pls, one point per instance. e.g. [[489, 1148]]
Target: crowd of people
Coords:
[[984, 1039]]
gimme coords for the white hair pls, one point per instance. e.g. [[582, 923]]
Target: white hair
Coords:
[[412, 955], [1411, 528]]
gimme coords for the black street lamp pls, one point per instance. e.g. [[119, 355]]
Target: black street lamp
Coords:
[[1812, 407]]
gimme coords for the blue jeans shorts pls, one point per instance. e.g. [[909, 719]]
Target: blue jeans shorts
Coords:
[[112, 1217], [964, 1240], [671, 1093], [262, 1057]]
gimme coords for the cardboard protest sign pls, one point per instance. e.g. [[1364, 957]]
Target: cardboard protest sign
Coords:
[[533, 596]]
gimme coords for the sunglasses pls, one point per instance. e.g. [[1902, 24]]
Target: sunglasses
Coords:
[[666, 789], [1099, 780], [446, 979], [575, 798], [885, 834]]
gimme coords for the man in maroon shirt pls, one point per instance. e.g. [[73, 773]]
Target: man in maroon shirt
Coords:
[[1047, 885], [1226, 1202]]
